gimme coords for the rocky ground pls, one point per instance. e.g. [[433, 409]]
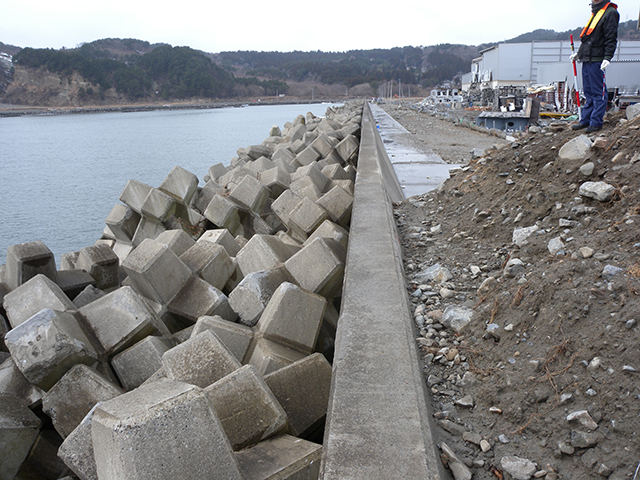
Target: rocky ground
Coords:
[[530, 343]]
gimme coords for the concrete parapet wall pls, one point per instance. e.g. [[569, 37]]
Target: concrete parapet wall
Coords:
[[378, 424]]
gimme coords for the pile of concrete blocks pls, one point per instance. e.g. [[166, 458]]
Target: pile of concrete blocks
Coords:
[[195, 337]]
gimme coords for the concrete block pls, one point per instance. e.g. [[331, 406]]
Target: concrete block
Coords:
[[180, 184], [176, 240], [201, 360], [204, 195], [29, 298], [73, 282], [88, 295], [76, 450], [254, 224], [137, 363], [347, 185], [319, 267], [122, 250], [101, 263], [19, 429], [333, 158], [335, 172], [293, 317], [134, 195], [268, 356], [302, 389], [210, 261], [224, 213], [43, 461], [308, 156], [234, 176], [163, 430], [257, 151], [25, 261], [323, 144], [287, 238], [199, 298], [47, 345], [235, 337], [288, 166], [263, 252], [253, 293], [314, 173], [282, 457], [123, 221], [68, 260], [221, 237], [306, 217], [337, 203], [261, 164], [296, 132], [216, 171], [120, 319], [158, 205], [250, 193], [13, 382], [276, 180], [74, 395], [304, 187], [147, 229], [155, 271], [283, 205], [348, 147], [328, 229], [246, 407]]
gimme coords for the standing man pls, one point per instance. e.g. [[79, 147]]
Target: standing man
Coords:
[[599, 40]]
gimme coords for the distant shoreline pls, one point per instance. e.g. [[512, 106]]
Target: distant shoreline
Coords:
[[22, 110]]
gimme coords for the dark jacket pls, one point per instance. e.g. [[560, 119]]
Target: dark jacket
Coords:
[[602, 42]]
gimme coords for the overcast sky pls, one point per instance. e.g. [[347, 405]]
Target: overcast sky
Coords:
[[327, 25]]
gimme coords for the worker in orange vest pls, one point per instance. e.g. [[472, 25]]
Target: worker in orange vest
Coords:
[[599, 39]]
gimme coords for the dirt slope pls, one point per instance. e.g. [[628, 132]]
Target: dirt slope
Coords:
[[552, 334]]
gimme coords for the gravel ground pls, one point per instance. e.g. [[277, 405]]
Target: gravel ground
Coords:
[[530, 344]]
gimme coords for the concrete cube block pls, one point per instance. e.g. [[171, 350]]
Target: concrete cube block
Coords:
[[247, 409], [74, 395], [137, 363], [43, 460], [210, 261], [201, 360], [282, 457], [308, 156], [224, 213], [335, 172], [346, 185], [155, 271], [235, 337], [147, 228], [199, 298], [263, 252], [286, 165], [314, 173], [88, 295], [204, 195], [32, 296], [333, 158], [234, 176], [134, 195], [261, 164], [296, 132], [337, 203], [257, 151], [101, 263], [323, 144], [306, 217], [348, 147], [176, 240], [158, 205], [328, 229], [163, 430], [123, 221], [319, 267], [253, 293], [284, 204], [73, 282], [222, 237], [293, 317], [304, 187], [13, 382], [120, 319], [268, 356], [180, 184], [68, 260], [122, 250], [76, 450], [25, 261], [47, 345], [250, 193], [216, 171], [276, 180], [19, 429], [302, 389]]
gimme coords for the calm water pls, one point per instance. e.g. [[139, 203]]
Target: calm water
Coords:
[[60, 176]]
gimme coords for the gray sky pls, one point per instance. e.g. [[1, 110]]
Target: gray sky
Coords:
[[328, 25]]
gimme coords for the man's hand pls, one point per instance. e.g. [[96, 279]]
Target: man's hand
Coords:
[[573, 57], [604, 65]]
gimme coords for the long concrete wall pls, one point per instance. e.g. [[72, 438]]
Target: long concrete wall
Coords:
[[378, 423]]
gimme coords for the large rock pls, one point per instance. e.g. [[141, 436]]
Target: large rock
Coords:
[[434, 273], [520, 235], [457, 318], [518, 468], [601, 191], [633, 111], [576, 149], [163, 430]]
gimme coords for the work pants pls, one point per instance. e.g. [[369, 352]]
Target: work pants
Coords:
[[595, 91]]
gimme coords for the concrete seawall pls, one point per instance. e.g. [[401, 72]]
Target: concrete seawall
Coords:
[[378, 423]]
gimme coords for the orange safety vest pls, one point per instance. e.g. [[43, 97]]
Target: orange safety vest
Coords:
[[593, 21]]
